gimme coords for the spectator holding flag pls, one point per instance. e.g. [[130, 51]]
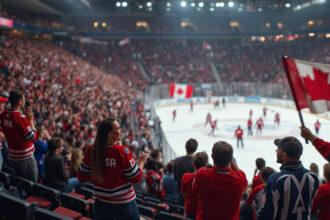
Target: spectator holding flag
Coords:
[[321, 146]]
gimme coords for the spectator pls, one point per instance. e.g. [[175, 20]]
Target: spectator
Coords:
[[315, 169], [2, 136], [76, 160], [321, 202], [219, 189], [289, 193], [111, 168], [170, 186], [255, 197], [185, 164], [322, 146], [56, 176], [190, 204], [154, 178], [20, 134], [260, 163], [41, 146]]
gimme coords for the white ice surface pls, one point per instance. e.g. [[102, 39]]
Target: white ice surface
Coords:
[[191, 125]]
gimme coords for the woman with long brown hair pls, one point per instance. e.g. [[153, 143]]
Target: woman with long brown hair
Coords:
[[111, 168]]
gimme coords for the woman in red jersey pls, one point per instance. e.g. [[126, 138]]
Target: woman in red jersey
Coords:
[[111, 168]]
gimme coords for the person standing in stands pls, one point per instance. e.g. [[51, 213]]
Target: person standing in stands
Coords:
[[185, 164], [190, 204], [260, 163], [289, 193], [111, 168], [321, 201], [20, 133], [219, 189], [2, 136]]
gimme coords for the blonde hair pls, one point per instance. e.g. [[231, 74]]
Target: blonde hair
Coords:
[[76, 160]]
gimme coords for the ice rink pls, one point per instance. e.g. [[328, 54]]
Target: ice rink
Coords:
[[191, 125]]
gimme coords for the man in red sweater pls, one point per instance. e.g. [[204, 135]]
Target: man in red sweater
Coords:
[[321, 146], [219, 189], [321, 202], [239, 136], [190, 202]]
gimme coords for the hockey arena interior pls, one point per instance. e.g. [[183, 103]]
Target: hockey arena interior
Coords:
[[165, 109]]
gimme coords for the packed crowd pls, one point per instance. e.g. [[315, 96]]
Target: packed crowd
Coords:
[[167, 61]]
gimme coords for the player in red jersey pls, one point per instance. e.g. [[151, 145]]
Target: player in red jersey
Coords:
[[191, 105], [321, 201], [111, 168], [249, 126], [239, 136], [20, 134], [317, 126], [260, 125], [173, 115], [213, 126], [277, 119], [208, 119], [190, 199]]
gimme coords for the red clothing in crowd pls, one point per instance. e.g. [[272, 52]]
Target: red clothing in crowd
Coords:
[[155, 183], [254, 194], [239, 133], [219, 191], [256, 181], [119, 172], [323, 147], [19, 134], [321, 202], [190, 199]]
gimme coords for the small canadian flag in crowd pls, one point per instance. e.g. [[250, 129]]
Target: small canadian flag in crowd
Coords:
[[310, 84], [181, 90]]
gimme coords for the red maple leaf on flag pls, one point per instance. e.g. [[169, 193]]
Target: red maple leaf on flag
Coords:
[[319, 87]]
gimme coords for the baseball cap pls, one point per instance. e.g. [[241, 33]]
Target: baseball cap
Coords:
[[290, 145], [3, 100]]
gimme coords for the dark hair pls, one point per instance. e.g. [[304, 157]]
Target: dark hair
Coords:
[[260, 163], [191, 146], [14, 97], [151, 164], [98, 152], [222, 153], [169, 167], [53, 144], [155, 153], [200, 159], [266, 172]]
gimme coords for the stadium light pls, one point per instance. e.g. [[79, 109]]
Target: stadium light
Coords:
[[104, 24], [168, 4], [183, 4], [124, 4], [96, 24], [193, 4], [118, 4], [287, 5], [149, 4], [211, 9], [231, 4], [201, 4], [222, 4], [140, 6]]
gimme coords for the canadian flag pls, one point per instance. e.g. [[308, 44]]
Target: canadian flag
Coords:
[[181, 90], [310, 84], [206, 46]]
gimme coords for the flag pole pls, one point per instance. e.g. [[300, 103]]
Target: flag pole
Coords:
[[285, 64]]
